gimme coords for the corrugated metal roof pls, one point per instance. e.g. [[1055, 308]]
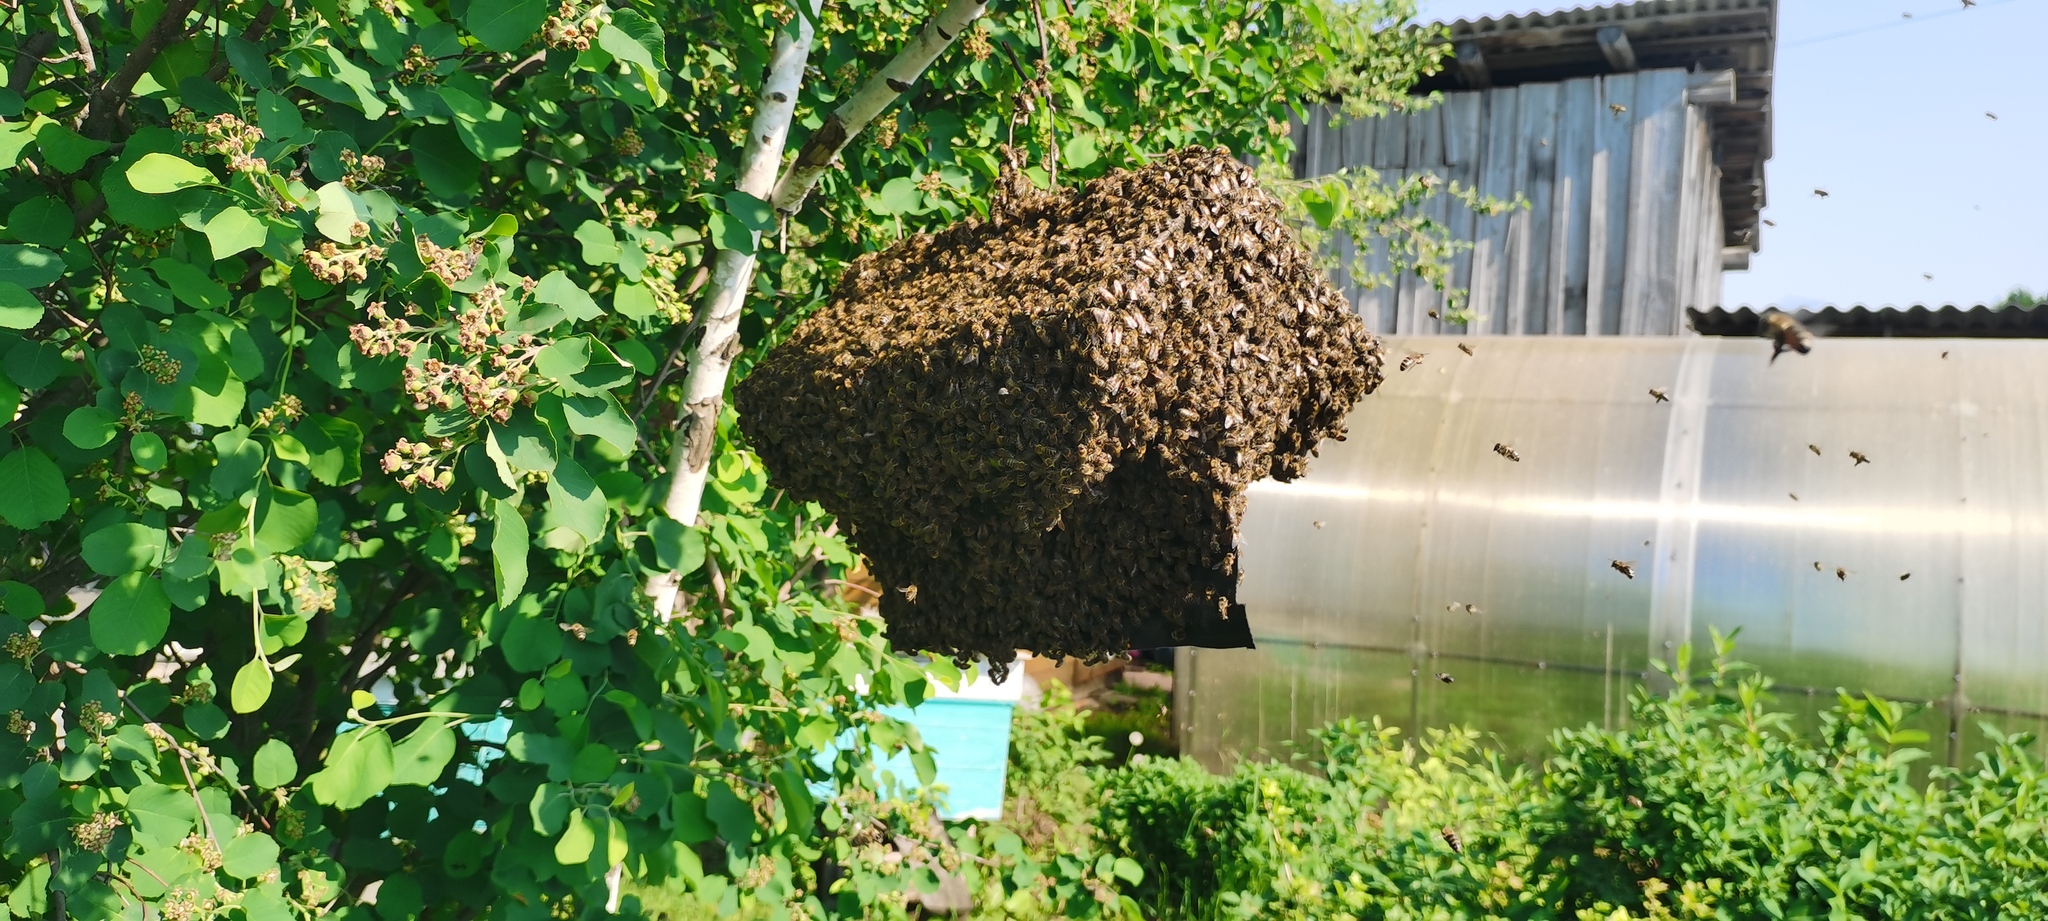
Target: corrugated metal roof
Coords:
[[1983, 321], [1697, 35]]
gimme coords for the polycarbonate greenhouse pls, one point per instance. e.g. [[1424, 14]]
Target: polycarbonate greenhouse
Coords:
[[1415, 549]]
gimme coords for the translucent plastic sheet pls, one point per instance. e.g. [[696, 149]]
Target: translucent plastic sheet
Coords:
[[1415, 549]]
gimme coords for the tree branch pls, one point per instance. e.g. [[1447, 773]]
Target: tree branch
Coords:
[[257, 26], [27, 58], [852, 117], [92, 64], [714, 332], [107, 101]]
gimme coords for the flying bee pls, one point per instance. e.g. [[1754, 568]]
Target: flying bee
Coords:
[[1318, 524], [1635, 801], [1507, 452], [1904, 576], [1446, 678], [1815, 449], [1944, 354], [1451, 838], [909, 593], [1820, 193], [1784, 333], [1859, 459], [1841, 575], [1471, 608], [1412, 359], [1770, 223], [1433, 315], [1816, 566], [1794, 495], [1462, 347], [1616, 108], [1659, 395], [1625, 568]]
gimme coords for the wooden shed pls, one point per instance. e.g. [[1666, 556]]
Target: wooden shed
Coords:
[[1636, 134]]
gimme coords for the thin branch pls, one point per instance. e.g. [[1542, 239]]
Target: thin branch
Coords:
[[851, 118], [257, 26], [518, 69], [205, 763], [92, 64], [106, 103]]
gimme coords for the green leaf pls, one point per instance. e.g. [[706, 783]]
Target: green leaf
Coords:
[[162, 814], [162, 174], [732, 815], [249, 856], [593, 763], [234, 230], [509, 544], [899, 196], [677, 547], [487, 129], [600, 247], [359, 766], [29, 266], [577, 840], [340, 211], [65, 149], [556, 288], [796, 799], [1129, 871], [119, 549], [274, 766], [285, 519], [240, 460], [19, 307], [504, 225], [574, 502], [89, 427], [43, 219], [147, 450], [1079, 151], [360, 699], [277, 116], [191, 284], [336, 447], [130, 616], [505, 25], [447, 169], [35, 490], [635, 301], [729, 232], [752, 212], [601, 416], [252, 686], [419, 760], [532, 640]]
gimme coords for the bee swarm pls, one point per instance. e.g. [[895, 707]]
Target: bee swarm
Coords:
[[1046, 420]]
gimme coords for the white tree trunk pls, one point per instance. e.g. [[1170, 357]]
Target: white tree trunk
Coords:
[[853, 116], [716, 326]]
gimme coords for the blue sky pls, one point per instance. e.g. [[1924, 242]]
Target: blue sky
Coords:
[[1889, 119]]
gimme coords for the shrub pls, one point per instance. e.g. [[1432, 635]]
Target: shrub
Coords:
[[1710, 808]]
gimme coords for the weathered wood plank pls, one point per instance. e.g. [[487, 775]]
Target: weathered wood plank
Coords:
[[1650, 288], [1536, 156], [1490, 235], [1464, 146], [1572, 205], [1607, 189], [1425, 155]]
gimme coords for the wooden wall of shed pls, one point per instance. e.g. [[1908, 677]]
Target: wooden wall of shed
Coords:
[[1623, 226]]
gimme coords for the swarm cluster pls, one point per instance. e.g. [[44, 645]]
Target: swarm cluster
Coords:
[[1040, 426]]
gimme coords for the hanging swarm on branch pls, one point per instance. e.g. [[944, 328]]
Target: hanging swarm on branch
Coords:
[[1039, 427]]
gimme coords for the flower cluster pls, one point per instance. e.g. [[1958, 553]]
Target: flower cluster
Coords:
[[628, 143], [570, 28], [386, 338], [311, 589], [478, 326], [289, 407], [225, 135], [334, 265], [202, 848], [195, 691], [450, 264], [361, 171], [94, 718], [416, 68], [665, 269], [418, 464], [976, 43], [19, 724], [94, 834], [436, 385], [634, 214], [159, 364], [24, 646]]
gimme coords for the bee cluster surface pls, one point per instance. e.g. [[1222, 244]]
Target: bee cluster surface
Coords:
[[1039, 427]]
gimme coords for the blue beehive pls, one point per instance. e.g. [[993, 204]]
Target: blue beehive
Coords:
[[969, 732]]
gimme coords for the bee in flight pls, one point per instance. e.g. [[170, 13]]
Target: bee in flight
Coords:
[[1859, 459], [1841, 575], [1507, 452], [1815, 449], [1904, 576], [1659, 395], [1617, 108], [1412, 359], [1625, 568], [1446, 678], [1462, 347], [1784, 333], [1451, 838]]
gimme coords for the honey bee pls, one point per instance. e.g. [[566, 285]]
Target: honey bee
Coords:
[[1616, 108], [1859, 459], [1471, 608], [1433, 315], [1794, 495], [909, 593], [1412, 359], [1841, 575], [1944, 354], [1318, 524], [1820, 193], [1659, 395], [1815, 449], [1770, 223], [1451, 838], [1462, 347], [1507, 452], [1816, 566], [1446, 678], [1634, 801], [1904, 576], [1784, 333], [1625, 568]]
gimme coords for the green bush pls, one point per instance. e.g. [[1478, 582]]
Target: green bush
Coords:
[[1711, 807]]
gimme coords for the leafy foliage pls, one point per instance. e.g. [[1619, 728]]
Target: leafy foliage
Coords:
[[1710, 808], [337, 352]]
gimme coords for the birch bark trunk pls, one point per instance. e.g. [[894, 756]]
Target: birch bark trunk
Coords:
[[715, 329]]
